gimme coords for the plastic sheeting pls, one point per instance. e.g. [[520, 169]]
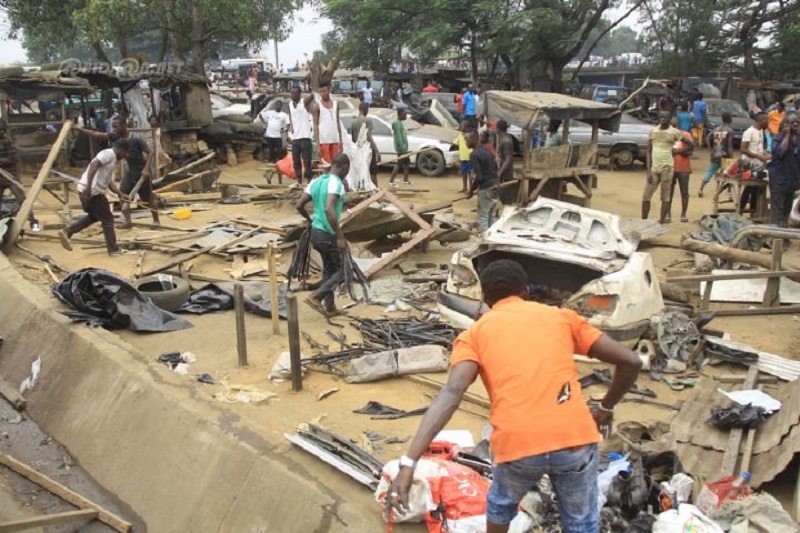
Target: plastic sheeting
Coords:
[[720, 229], [219, 297], [104, 298]]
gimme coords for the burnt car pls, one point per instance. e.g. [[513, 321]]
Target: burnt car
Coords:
[[575, 257]]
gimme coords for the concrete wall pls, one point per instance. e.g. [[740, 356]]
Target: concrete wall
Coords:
[[179, 465]]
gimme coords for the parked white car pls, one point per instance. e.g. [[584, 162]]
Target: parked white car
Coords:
[[431, 163], [575, 257], [221, 107]]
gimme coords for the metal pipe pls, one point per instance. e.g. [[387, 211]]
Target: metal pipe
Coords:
[[763, 231]]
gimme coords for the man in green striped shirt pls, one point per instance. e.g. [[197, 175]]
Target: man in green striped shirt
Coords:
[[327, 194]]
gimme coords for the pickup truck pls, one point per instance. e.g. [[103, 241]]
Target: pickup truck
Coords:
[[625, 146]]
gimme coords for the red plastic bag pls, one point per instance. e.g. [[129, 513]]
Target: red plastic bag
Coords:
[[286, 167], [718, 492], [448, 496]]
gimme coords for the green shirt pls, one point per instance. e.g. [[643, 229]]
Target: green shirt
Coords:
[[318, 190], [663, 141], [400, 137]]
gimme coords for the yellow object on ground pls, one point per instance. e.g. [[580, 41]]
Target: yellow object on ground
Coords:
[[182, 213]]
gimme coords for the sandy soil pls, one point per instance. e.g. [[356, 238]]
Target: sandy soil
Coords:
[[213, 337]]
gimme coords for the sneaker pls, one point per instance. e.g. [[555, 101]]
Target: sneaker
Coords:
[[114, 253], [64, 238], [700, 193], [36, 227], [684, 218]]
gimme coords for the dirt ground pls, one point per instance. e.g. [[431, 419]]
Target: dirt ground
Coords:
[[213, 339]]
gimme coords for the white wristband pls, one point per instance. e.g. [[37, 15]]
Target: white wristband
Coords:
[[407, 461]]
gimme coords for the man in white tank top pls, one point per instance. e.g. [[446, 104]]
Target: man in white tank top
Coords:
[[300, 120], [327, 128]]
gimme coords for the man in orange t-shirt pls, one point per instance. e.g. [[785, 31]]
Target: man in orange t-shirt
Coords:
[[541, 424], [775, 118]]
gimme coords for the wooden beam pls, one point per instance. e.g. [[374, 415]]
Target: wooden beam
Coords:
[[183, 169], [12, 395], [65, 493], [179, 183], [731, 456], [420, 236], [273, 289], [783, 310], [178, 261], [237, 240], [406, 210], [27, 206], [48, 520]]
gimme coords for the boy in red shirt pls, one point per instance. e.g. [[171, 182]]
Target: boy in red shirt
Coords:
[[681, 153]]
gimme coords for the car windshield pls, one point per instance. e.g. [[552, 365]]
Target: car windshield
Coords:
[[726, 106]]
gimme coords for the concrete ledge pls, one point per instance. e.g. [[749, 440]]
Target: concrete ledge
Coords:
[[179, 465]]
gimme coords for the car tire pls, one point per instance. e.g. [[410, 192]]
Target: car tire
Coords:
[[623, 156], [431, 163], [171, 299]]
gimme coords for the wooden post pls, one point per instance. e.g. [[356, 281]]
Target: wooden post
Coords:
[[294, 342], [241, 335], [731, 456], [44, 172], [772, 294], [273, 290]]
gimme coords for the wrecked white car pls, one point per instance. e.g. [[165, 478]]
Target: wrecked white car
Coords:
[[575, 257]]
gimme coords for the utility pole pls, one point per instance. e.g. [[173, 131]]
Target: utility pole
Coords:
[[277, 61]]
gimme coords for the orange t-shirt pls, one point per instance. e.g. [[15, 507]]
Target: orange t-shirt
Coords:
[[683, 163], [775, 118], [524, 350]]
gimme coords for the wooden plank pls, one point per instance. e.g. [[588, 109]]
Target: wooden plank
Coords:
[[420, 236], [178, 261], [734, 276], [48, 520], [27, 206], [361, 206], [65, 493], [273, 289], [12, 395], [731, 456], [237, 240], [747, 454], [406, 210], [706, 300], [179, 183], [772, 293], [183, 169], [241, 334]]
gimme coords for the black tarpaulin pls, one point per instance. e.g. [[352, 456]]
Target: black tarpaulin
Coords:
[[219, 297], [103, 297]]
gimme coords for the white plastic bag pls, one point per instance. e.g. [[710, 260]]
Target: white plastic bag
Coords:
[[687, 518]]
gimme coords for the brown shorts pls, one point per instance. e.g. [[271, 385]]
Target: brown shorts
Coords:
[[662, 177]]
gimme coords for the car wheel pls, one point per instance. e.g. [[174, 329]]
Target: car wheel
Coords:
[[623, 156], [431, 163], [169, 295]]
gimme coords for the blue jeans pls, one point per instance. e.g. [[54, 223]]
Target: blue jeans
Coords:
[[712, 169], [573, 473]]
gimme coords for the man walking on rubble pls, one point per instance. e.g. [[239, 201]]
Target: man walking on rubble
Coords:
[[660, 164], [484, 180], [327, 194], [139, 166], [92, 187], [540, 422]]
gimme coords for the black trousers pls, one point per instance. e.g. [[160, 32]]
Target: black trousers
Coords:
[[274, 148], [325, 244], [301, 156], [97, 210], [780, 207]]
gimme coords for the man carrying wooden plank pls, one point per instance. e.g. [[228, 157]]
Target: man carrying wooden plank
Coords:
[[138, 177], [92, 187]]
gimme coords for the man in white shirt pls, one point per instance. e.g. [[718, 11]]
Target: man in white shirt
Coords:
[[366, 93], [275, 123], [300, 117], [754, 157], [92, 187]]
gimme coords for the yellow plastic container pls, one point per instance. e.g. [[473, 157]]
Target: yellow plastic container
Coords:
[[182, 213]]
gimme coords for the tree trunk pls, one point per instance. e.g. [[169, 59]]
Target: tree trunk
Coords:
[[99, 52], [162, 48], [556, 72], [473, 58], [124, 49], [173, 33], [747, 54], [198, 40]]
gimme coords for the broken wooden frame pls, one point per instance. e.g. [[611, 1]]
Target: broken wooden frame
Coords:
[[88, 509], [424, 232]]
